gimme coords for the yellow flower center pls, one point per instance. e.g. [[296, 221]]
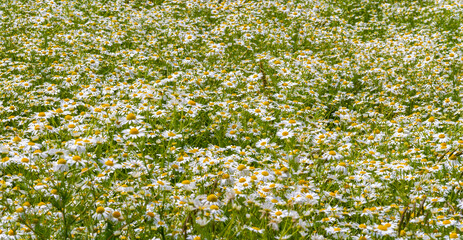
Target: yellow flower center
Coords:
[[116, 214], [382, 227], [241, 167], [131, 116], [100, 210], [212, 198], [134, 131]]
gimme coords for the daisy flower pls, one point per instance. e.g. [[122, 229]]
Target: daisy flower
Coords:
[[263, 143], [101, 213], [134, 132], [75, 160], [332, 155], [131, 119], [285, 133], [60, 166], [109, 164], [385, 229], [441, 137], [171, 135], [279, 213], [255, 229]]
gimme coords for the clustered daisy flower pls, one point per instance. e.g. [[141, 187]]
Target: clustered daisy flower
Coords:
[[238, 119]]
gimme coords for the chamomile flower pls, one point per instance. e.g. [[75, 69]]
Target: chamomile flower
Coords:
[[61, 165], [285, 133], [441, 137], [255, 229], [385, 229], [279, 213], [110, 164], [101, 213], [171, 135], [332, 155], [263, 143], [132, 119], [75, 160], [134, 132]]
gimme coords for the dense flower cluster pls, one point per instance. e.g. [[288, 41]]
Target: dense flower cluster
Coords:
[[198, 119]]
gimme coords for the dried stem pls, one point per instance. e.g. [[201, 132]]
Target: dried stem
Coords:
[[402, 218]]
